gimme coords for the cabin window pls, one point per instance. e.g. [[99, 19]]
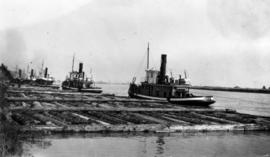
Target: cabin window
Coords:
[[157, 93], [151, 75], [165, 94]]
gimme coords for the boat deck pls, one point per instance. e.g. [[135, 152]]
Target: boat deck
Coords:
[[45, 109]]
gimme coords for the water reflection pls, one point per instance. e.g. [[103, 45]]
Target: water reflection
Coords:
[[132, 145], [15, 144], [160, 145]]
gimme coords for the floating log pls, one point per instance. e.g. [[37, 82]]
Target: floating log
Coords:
[[150, 118], [12, 99], [147, 128], [20, 109], [220, 120], [38, 109], [45, 119], [174, 118], [57, 92]]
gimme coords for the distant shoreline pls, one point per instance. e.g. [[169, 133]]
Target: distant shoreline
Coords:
[[231, 89], [116, 83]]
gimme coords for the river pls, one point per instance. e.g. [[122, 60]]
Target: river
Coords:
[[224, 144]]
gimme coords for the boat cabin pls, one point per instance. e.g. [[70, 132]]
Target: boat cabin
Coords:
[[151, 76]]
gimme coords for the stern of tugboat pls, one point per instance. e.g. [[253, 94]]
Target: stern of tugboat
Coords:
[[132, 88]]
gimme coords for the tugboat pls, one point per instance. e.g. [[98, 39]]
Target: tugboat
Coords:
[[46, 79], [41, 80], [77, 81], [158, 86]]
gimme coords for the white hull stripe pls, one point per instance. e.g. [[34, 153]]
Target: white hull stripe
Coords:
[[174, 99], [189, 99], [91, 89], [149, 97]]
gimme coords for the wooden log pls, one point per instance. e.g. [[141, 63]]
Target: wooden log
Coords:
[[46, 119], [23, 95], [57, 117], [20, 109], [147, 127], [210, 118], [176, 118], [23, 119], [107, 118], [187, 118], [37, 104], [241, 118], [218, 127], [53, 92], [59, 105], [98, 121], [80, 116], [17, 99], [50, 105], [150, 118], [119, 116]]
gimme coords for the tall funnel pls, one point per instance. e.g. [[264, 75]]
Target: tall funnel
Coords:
[[20, 73], [32, 73], [46, 72], [162, 73], [80, 67]]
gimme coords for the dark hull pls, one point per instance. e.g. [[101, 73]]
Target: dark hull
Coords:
[[84, 90], [190, 101], [91, 90], [43, 82]]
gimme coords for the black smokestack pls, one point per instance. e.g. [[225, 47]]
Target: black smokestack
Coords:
[[80, 67], [32, 73], [20, 73], [162, 73], [46, 72]]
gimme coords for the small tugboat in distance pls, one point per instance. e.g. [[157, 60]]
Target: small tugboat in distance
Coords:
[[77, 81], [158, 86], [44, 80]]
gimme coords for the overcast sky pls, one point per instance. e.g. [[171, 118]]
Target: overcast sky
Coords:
[[224, 42]]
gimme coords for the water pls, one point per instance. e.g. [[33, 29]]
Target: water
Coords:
[[224, 144], [250, 103]]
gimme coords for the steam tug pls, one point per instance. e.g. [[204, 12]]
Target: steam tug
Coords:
[[158, 86], [42, 80], [77, 81], [46, 80]]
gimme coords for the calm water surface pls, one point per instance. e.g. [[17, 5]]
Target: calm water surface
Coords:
[[159, 145]]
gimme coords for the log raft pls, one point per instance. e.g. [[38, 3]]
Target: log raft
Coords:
[[39, 110]]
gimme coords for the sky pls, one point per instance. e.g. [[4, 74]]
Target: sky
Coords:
[[218, 43]]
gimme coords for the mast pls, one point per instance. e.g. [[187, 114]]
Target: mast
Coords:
[[41, 70], [73, 63], [147, 65], [147, 56], [42, 65]]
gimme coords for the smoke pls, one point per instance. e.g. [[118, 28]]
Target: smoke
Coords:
[[13, 48], [245, 18]]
